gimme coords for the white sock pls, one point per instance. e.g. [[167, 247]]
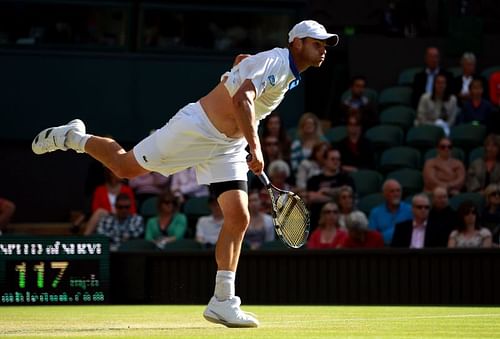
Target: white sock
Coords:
[[224, 285], [76, 140]]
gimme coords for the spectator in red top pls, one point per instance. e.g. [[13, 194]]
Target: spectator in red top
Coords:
[[7, 209], [104, 198], [328, 234], [359, 235]]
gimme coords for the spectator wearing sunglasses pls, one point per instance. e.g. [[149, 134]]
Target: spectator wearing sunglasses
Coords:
[[469, 233], [490, 218], [419, 232], [485, 170], [328, 234], [123, 225], [444, 170]]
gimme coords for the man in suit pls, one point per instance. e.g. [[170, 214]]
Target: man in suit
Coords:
[[460, 86], [419, 232], [424, 80]]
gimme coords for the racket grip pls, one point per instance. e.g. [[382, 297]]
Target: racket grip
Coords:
[[263, 177]]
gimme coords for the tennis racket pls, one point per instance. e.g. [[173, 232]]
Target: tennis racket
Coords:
[[290, 215]]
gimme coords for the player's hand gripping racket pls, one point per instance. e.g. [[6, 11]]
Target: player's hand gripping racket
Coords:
[[289, 213]]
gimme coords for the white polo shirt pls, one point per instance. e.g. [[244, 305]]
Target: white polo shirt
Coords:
[[272, 73]]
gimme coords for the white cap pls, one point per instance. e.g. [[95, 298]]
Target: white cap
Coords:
[[312, 29]]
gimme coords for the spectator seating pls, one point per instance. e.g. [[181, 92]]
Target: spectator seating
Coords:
[[194, 208], [384, 136], [399, 115], [424, 137], [370, 93], [395, 95], [476, 198], [148, 208], [292, 133], [486, 73], [476, 153], [456, 153], [368, 202], [399, 157], [407, 75], [366, 181], [411, 180], [336, 134], [455, 71], [467, 136]]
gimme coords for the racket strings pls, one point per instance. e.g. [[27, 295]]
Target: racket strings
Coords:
[[293, 219]]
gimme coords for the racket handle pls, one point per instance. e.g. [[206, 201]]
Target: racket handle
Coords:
[[263, 177]]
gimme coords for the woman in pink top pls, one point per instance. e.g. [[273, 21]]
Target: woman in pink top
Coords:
[[328, 234]]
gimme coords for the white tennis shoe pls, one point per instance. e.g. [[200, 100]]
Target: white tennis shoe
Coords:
[[229, 313], [53, 138]]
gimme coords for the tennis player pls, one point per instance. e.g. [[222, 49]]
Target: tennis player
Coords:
[[211, 135]]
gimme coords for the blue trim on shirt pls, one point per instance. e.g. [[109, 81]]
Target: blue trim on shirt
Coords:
[[295, 72]]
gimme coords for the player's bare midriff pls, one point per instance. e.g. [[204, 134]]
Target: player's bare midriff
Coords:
[[218, 105]]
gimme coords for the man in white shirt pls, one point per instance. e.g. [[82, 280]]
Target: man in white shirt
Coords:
[[211, 135]]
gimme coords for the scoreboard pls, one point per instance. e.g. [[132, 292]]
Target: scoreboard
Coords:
[[45, 270]]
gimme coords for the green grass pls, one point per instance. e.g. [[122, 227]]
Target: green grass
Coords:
[[276, 322]]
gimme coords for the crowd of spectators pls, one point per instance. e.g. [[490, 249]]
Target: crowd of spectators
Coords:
[[322, 171]]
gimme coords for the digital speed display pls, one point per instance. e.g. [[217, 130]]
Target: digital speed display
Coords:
[[46, 270]]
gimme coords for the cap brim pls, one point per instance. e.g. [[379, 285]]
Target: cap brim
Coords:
[[333, 40]]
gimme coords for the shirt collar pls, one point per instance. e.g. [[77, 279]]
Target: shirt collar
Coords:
[[422, 225], [434, 72], [295, 72]]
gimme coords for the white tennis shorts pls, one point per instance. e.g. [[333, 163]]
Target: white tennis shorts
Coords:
[[190, 140]]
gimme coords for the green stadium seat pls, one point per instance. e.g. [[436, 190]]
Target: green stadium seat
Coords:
[[149, 207], [476, 153], [384, 136], [194, 208], [455, 71], [366, 182], [424, 137], [336, 134], [476, 198], [407, 75], [467, 136], [396, 95], [486, 73], [399, 157], [402, 116], [292, 133], [368, 202]]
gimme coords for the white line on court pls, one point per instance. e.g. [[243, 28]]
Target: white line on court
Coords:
[[444, 316]]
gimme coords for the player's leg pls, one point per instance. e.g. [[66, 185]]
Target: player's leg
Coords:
[[106, 150], [234, 206], [224, 307]]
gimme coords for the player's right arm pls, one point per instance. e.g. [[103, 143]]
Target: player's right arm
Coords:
[[244, 111]]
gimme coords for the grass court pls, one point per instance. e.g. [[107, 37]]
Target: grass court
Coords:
[[276, 322]]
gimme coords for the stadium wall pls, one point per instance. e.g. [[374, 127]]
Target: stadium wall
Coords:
[[306, 277]]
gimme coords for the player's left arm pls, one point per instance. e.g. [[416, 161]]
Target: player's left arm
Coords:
[[243, 101]]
